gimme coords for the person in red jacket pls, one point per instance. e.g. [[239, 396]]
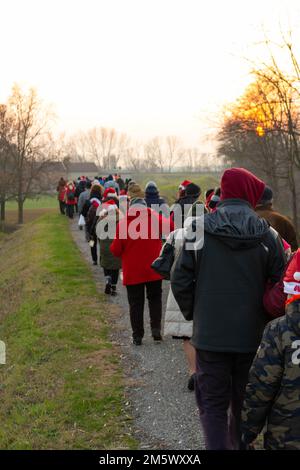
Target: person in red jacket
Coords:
[[61, 190], [138, 243], [70, 199]]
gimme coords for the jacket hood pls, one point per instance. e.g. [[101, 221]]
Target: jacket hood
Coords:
[[238, 183], [293, 316], [154, 199], [150, 184], [236, 224], [193, 190], [151, 191]]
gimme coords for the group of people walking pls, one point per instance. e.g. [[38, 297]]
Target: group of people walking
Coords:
[[233, 299], [73, 194]]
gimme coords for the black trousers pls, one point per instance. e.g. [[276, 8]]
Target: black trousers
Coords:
[[114, 275], [70, 210], [136, 299], [220, 387], [94, 249], [62, 207]]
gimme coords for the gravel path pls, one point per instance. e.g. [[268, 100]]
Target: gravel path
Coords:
[[164, 411]]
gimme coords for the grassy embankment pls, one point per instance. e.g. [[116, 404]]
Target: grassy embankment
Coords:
[[62, 384], [33, 208]]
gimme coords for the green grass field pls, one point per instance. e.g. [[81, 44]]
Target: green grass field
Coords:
[[62, 386], [168, 183], [42, 202]]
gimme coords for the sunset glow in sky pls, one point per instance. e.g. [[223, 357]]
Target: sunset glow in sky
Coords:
[[145, 67]]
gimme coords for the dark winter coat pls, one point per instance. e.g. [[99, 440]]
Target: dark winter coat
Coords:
[[280, 223], [107, 259], [80, 187], [221, 285], [121, 183], [91, 221], [84, 196], [181, 208], [273, 393], [153, 198]]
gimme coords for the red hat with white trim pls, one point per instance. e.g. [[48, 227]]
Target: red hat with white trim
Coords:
[[109, 192], [291, 279], [95, 202], [108, 206], [184, 184]]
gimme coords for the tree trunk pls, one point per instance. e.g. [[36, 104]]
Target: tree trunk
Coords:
[[20, 211], [294, 197], [2, 210]]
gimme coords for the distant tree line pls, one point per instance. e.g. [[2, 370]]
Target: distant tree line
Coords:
[[110, 149]]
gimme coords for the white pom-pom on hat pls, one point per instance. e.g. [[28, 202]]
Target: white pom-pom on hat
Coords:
[[297, 276]]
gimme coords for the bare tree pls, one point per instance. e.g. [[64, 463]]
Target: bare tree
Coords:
[[174, 152], [30, 139], [261, 130], [7, 170], [154, 154], [133, 157]]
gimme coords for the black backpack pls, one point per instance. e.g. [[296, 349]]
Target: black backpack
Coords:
[[70, 196], [163, 264]]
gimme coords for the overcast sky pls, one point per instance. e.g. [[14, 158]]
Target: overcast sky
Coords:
[[145, 67]]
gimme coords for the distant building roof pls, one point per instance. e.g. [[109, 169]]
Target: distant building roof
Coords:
[[57, 167], [82, 167]]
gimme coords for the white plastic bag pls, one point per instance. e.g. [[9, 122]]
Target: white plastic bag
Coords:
[[81, 221]]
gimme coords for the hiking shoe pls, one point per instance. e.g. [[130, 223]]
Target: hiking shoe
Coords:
[[107, 288], [137, 341], [157, 337], [191, 382], [113, 290], [156, 334]]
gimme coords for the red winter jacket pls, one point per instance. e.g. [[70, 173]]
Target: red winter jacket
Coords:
[[70, 190], [134, 244], [275, 297], [62, 194]]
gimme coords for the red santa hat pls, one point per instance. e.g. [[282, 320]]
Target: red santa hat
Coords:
[[184, 184], [291, 279], [109, 192], [108, 206], [95, 202]]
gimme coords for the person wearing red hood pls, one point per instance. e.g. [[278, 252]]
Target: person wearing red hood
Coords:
[[220, 286]]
